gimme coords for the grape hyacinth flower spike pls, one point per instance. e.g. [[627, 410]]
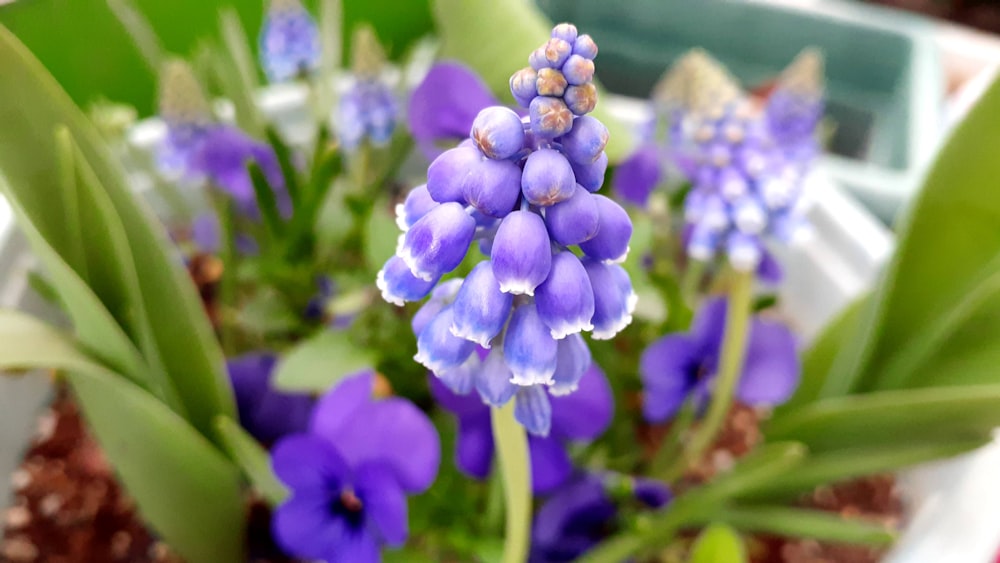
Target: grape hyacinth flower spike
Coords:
[[367, 110], [744, 185], [184, 109], [290, 44], [350, 474], [795, 107], [523, 190]]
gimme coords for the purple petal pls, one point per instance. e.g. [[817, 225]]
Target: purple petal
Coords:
[[480, 309], [205, 232], [572, 360], [636, 178], [771, 371], [398, 433], [265, 413], [586, 413], [498, 133], [611, 242], [417, 204], [586, 141], [591, 176], [550, 464], [521, 253], [709, 324], [769, 270], [529, 349], [398, 284], [357, 546], [384, 502], [461, 380], [438, 241], [445, 104], [668, 368], [304, 526], [309, 463], [575, 220], [474, 446], [437, 348], [461, 405], [533, 410], [571, 520], [337, 406], [547, 178], [652, 493], [448, 175], [565, 300], [494, 380]]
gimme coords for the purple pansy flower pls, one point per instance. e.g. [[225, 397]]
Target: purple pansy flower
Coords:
[[350, 473], [582, 513], [582, 415], [223, 157], [266, 413], [444, 105], [679, 364]]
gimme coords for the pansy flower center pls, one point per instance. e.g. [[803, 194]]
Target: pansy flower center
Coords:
[[349, 507]]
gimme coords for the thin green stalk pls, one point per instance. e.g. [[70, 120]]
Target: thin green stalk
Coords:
[[734, 345], [227, 285], [673, 443], [691, 281], [512, 449]]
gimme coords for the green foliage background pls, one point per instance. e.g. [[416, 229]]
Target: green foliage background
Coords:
[[82, 44]]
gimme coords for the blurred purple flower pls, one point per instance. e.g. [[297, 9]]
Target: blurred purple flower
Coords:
[[266, 413], [350, 474], [443, 107], [579, 515], [637, 176], [679, 364], [223, 156], [582, 415], [290, 43]]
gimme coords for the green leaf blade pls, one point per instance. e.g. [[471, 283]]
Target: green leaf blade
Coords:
[[252, 459], [320, 362], [718, 543]]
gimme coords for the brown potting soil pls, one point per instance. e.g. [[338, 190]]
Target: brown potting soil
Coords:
[[67, 505]]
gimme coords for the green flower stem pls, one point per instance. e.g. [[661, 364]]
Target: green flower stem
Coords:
[[227, 285], [691, 281], [512, 449], [734, 344]]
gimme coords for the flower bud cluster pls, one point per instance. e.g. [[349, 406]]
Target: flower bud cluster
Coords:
[[552, 246], [559, 83]]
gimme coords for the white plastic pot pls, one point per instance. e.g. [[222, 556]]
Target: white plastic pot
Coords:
[[952, 505]]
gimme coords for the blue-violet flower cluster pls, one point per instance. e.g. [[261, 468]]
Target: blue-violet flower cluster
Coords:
[[290, 44], [350, 473], [523, 189]]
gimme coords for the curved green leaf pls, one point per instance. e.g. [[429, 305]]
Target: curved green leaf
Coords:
[[840, 465], [187, 490], [99, 333], [252, 459], [32, 107], [943, 282], [803, 523], [317, 364], [893, 418], [495, 39]]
